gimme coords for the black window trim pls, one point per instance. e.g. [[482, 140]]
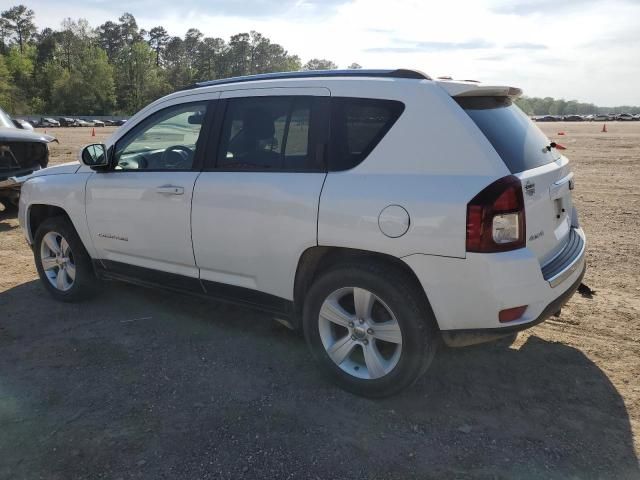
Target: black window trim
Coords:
[[201, 144], [318, 136], [333, 154]]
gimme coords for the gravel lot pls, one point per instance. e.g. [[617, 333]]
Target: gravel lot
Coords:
[[149, 384]]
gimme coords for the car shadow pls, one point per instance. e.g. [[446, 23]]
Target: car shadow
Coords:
[[154, 384], [5, 226]]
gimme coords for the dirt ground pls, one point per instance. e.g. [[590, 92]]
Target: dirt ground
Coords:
[[148, 384]]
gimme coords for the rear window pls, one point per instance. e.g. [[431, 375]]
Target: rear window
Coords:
[[518, 141], [357, 126]]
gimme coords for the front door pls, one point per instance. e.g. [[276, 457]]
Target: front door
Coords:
[[139, 213]]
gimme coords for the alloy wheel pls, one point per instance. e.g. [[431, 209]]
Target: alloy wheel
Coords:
[[57, 261], [360, 333]]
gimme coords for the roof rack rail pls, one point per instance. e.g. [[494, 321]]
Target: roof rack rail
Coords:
[[398, 73]]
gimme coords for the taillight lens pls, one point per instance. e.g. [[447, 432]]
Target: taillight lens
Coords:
[[495, 218]]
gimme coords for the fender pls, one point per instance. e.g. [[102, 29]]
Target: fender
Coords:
[[65, 191]]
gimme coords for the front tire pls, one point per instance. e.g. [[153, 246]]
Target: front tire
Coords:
[[9, 207], [370, 328], [63, 264]]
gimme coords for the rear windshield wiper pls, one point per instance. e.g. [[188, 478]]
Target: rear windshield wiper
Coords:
[[555, 145]]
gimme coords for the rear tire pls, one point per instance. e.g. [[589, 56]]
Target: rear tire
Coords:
[[63, 264], [370, 328]]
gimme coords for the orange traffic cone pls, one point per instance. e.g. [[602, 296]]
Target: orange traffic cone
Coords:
[[93, 132], [604, 128]]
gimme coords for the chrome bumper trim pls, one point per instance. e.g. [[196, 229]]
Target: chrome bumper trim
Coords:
[[567, 261]]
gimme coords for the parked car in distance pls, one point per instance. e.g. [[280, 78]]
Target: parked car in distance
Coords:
[[624, 117], [109, 123], [600, 118], [119, 123], [573, 118], [22, 151], [97, 123], [67, 122], [546, 118], [22, 124], [48, 122], [378, 211], [83, 123]]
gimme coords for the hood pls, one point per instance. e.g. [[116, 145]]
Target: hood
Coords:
[[18, 135], [63, 168]]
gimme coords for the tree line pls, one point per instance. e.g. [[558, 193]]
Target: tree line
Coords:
[[553, 106], [117, 67]]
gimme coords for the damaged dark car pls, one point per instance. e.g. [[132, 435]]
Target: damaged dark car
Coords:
[[21, 153]]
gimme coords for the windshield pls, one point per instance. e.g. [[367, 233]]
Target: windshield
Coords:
[[518, 141], [5, 120]]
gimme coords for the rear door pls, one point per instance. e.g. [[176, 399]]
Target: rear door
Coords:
[[255, 206], [546, 177]]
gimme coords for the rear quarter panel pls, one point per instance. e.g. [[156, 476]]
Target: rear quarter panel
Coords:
[[431, 162]]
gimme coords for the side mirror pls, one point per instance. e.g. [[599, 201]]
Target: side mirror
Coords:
[[95, 155], [196, 118]]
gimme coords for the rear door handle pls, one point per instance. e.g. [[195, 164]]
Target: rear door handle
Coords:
[[170, 190]]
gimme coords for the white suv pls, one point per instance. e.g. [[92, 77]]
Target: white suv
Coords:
[[378, 211]]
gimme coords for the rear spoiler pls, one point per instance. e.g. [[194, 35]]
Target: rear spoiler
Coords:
[[474, 89]]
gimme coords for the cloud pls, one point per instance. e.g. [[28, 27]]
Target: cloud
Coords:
[[494, 58], [619, 39], [431, 46], [220, 8], [380, 30], [536, 7], [526, 46]]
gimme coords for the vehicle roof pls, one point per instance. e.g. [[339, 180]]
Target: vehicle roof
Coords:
[[340, 82], [453, 87], [397, 73]]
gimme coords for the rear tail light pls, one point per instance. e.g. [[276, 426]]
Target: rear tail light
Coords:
[[495, 218]]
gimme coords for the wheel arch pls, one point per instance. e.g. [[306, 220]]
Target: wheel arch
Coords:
[[38, 213], [315, 260]]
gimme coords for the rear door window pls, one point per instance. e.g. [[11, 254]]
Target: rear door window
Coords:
[[518, 141], [267, 133], [357, 126]]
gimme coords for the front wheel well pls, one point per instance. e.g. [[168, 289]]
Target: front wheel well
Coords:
[[316, 260], [39, 213]]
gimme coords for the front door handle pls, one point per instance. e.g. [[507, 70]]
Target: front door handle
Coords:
[[170, 190]]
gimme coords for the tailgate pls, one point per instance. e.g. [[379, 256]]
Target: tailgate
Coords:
[[528, 154], [548, 208]]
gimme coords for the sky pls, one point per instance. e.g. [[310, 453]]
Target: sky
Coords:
[[588, 50]]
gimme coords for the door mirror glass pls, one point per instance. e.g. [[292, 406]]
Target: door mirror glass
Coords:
[[95, 155]]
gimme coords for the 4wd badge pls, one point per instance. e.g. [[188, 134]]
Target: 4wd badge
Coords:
[[530, 188]]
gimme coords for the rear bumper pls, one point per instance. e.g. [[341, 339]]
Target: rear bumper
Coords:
[[468, 294], [463, 338]]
